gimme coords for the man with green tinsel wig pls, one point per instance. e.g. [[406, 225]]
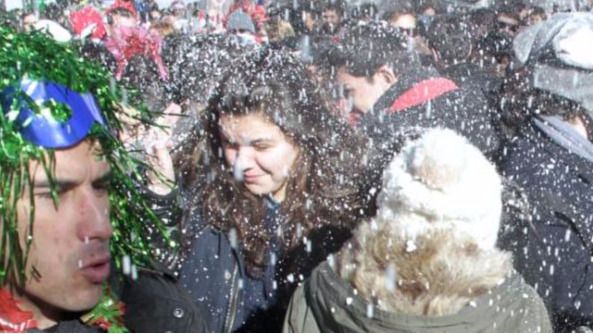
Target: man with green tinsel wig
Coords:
[[70, 213]]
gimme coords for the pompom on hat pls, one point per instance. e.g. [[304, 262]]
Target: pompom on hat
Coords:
[[441, 181]]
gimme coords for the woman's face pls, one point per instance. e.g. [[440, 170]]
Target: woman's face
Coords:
[[259, 153]]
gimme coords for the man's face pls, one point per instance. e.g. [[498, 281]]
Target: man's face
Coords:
[[69, 256], [331, 18], [360, 93], [309, 20], [28, 22]]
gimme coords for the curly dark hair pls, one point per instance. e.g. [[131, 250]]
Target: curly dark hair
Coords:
[[323, 186]]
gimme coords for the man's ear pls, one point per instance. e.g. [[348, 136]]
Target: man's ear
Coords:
[[385, 73]]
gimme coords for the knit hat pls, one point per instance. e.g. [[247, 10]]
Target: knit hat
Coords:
[[123, 4], [239, 20], [441, 181], [560, 50]]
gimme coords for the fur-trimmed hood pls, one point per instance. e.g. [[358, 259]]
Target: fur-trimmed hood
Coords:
[[326, 303], [430, 250], [437, 274], [427, 261]]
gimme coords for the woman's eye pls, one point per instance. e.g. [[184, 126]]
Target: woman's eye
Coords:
[[227, 145], [262, 147]]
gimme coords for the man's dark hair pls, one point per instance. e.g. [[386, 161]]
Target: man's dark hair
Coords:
[[421, 5], [366, 10], [54, 12], [484, 19], [310, 6], [337, 5], [365, 48], [451, 37]]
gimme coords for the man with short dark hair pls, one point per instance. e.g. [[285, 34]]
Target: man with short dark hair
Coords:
[[386, 92], [332, 17]]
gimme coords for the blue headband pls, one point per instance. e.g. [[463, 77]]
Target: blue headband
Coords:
[[42, 128]]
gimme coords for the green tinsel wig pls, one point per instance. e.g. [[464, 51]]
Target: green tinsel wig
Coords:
[[36, 57]]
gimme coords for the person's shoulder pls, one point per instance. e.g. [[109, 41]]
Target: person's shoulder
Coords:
[[523, 298], [154, 302]]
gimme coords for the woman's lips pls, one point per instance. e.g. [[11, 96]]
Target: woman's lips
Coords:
[[251, 178]]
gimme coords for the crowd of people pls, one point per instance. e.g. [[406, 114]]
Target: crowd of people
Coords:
[[301, 166]]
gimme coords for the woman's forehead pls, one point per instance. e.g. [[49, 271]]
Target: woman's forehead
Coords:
[[252, 125]]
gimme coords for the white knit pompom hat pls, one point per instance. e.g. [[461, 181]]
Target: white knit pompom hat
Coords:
[[441, 181]]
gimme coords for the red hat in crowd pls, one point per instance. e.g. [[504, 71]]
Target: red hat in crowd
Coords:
[[127, 42], [84, 18], [123, 4]]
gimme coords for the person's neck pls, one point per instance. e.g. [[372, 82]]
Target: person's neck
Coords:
[[279, 195], [44, 315]]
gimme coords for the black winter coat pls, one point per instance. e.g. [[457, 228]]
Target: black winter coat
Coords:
[[464, 110], [553, 252], [214, 274]]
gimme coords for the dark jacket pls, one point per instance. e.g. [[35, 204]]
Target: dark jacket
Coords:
[[154, 303], [465, 111], [214, 274], [553, 251], [474, 77], [325, 303]]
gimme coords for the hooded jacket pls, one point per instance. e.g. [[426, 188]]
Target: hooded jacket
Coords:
[[458, 108], [428, 260], [553, 163], [325, 303], [553, 250]]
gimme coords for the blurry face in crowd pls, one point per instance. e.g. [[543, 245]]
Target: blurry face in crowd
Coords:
[[405, 22], [507, 23], [363, 92], [155, 15], [69, 256], [331, 18], [127, 20], [28, 22], [259, 153], [309, 20]]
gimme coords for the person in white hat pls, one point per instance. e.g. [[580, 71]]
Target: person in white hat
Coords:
[[428, 261]]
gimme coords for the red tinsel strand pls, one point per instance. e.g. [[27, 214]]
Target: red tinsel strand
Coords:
[[12, 318]]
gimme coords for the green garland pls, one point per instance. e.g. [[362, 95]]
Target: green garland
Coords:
[[35, 56]]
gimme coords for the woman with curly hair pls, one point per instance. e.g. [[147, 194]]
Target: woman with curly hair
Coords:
[[278, 190]]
